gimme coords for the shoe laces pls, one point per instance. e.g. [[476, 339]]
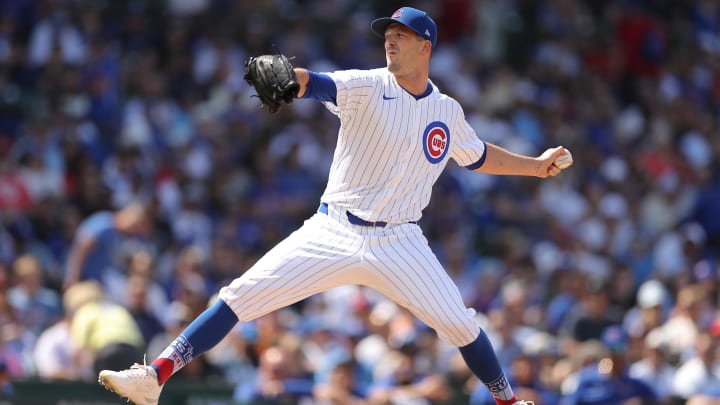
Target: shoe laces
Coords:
[[139, 371]]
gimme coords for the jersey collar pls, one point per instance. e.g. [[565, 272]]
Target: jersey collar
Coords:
[[426, 93]]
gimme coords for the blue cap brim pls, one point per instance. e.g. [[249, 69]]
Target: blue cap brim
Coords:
[[379, 25]]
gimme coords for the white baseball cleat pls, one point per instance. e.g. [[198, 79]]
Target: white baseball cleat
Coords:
[[524, 403], [138, 384]]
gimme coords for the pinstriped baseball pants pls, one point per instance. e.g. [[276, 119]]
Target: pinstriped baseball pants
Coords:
[[327, 252]]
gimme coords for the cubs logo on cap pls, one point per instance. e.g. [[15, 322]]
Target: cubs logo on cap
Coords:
[[436, 141], [417, 20]]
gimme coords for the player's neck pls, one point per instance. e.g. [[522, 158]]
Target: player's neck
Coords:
[[415, 83]]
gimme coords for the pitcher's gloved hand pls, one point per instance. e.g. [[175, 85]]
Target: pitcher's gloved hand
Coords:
[[273, 78]]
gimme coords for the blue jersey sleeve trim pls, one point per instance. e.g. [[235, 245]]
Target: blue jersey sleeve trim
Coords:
[[321, 87], [479, 162]]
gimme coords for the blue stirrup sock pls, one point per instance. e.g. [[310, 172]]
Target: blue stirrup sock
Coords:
[[481, 359], [203, 333]]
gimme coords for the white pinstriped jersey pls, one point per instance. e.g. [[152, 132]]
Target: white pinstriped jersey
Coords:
[[392, 147]]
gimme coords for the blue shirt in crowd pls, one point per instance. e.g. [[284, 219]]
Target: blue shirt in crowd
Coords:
[[100, 228], [595, 388]]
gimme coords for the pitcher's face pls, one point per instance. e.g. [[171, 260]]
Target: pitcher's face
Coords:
[[403, 49]]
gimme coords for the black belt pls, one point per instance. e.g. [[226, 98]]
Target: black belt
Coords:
[[355, 220]]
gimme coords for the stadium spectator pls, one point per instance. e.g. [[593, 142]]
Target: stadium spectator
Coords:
[[37, 305], [276, 383], [104, 334], [401, 382], [594, 314], [654, 367], [696, 374], [607, 382], [340, 389], [99, 241], [137, 304], [55, 355], [650, 312]]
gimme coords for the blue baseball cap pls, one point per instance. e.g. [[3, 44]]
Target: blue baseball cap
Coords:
[[417, 20], [615, 339]]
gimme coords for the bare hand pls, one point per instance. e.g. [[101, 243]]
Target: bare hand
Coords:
[[546, 168]]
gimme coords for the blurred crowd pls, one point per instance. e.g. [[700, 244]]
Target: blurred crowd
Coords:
[[138, 175]]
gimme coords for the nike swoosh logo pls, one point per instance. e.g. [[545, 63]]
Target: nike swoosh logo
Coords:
[[388, 98]]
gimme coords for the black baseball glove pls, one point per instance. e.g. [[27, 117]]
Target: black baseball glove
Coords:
[[273, 78]]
